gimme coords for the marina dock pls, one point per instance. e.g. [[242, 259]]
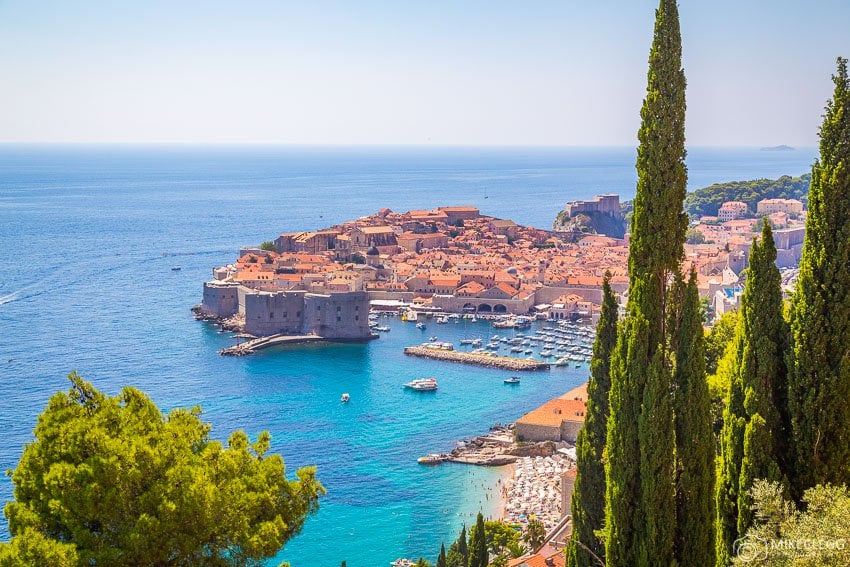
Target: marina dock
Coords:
[[502, 362]]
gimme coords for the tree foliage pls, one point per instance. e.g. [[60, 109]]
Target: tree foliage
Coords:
[[534, 534], [707, 201], [119, 483], [783, 536], [819, 377], [640, 499], [478, 552], [588, 501], [695, 514], [756, 423]]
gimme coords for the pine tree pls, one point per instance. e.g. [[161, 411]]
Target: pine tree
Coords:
[[819, 381], [458, 554], [756, 424], [478, 556], [588, 501], [640, 498], [441, 559], [694, 439]]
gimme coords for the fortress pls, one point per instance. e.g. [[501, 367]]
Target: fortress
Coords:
[[338, 315], [604, 204]]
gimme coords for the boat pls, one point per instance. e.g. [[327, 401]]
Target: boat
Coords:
[[345, 397], [176, 268], [403, 563], [512, 380], [433, 339], [563, 361], [422, 384], [432, 459], [420, 325]]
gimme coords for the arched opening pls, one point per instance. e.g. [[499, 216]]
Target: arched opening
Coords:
[[485, 308], [469, 308], [499, 308]]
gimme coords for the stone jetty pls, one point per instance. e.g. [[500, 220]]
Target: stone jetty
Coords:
[[502, 362], [253, 345]]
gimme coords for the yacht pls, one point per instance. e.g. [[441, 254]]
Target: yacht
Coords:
[[345, 397], [422, 384], [512, 380], [432, 459]]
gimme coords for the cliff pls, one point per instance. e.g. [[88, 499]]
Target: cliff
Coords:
[[591, 222]]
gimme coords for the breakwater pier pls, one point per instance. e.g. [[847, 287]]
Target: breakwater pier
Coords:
[[501, 362], [253, 345]]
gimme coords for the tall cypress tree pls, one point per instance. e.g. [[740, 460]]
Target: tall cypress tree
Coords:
[[640, 499], [694, 440], [756, 422], [478, 555], [441, 559], [588, 502], [819, 381]]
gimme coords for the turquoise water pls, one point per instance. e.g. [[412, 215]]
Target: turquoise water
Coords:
[[85, 286]]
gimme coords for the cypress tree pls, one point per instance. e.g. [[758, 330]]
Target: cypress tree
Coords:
[[640, 498], [754, 441], [462, 547], [588, 501], [819, 381], [478, 555], [694, 439], [441, 559]]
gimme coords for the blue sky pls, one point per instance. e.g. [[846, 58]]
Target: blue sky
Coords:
[[408, 72]]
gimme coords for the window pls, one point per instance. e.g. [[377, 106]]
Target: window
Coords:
[[357, 308], [298, 314], [338, 318], [271, 315], [357, 317], [338, 308]]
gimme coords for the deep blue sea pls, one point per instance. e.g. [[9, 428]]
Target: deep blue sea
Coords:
[[88, 236]]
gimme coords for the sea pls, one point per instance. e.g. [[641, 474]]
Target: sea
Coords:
[[90, 237]]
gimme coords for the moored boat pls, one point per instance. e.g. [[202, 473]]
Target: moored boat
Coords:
[[422, 384], [432, 459]]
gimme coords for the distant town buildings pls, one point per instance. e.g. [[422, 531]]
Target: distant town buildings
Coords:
[[453, 259], [788, 206], [731, 210]]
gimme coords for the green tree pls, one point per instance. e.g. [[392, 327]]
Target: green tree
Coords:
[[754, 443], [783, 536], [478, 555], [819, 380], [268, 246], [34, 548], [441, 559], [534, 534], [123, 484], [458, 555], [640, 517], [694, 236], [721, 335], [588, 501], [694, 440]]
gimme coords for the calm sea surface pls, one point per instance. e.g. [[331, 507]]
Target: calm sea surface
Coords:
[[86, 285]]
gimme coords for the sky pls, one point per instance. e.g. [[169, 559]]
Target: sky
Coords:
[[442, 72]]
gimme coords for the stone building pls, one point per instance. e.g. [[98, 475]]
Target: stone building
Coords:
[[768, 206], [605, 204], [556, 420], [343, 315], [731, 210]]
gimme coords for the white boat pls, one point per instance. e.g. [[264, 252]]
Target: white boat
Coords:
[[403, 563], [345, 397], [422, 384], [563, 361], [433, 339], [420, 326], [512, 380], [432, 459]]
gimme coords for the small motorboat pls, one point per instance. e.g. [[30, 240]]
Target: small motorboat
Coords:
[[432, 459], [345, 397], [512, 380], [176, 268]]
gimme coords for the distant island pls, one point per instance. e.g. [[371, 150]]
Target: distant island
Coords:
[[780, 148]]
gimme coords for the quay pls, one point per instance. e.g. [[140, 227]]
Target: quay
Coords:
[[502, 362], [253, 345]]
